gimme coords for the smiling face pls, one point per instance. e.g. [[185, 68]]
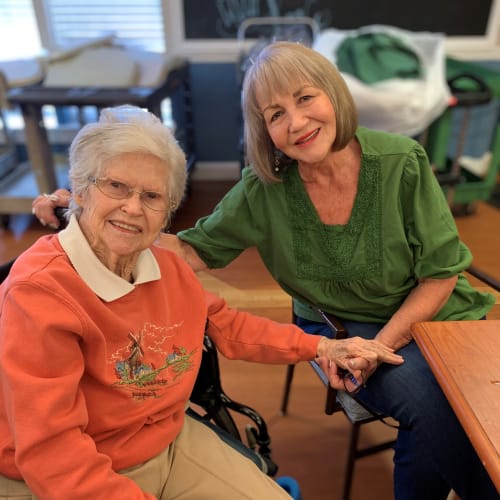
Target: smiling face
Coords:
[[301, 123], [118, 230]]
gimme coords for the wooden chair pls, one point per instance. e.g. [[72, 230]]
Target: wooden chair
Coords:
[[341, 401]]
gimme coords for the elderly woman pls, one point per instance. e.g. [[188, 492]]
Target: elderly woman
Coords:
[[101, 338]]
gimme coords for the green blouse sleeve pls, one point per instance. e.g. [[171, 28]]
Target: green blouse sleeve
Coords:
[[232, 227], [431, 230]]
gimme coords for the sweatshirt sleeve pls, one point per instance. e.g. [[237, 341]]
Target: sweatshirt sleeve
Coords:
[[41, 368], [244, 336]]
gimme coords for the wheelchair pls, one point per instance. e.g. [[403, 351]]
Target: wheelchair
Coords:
[[216, 407]]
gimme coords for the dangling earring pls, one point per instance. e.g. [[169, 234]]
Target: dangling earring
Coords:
[[277, 160], [281, 161]]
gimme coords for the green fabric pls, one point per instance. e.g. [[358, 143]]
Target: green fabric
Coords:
[[490, 76], [373, 57], [400, 229]]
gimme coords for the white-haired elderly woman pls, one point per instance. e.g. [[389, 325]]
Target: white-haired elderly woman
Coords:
[[101, 338]]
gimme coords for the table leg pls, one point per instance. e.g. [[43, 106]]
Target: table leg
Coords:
[[39, 151]]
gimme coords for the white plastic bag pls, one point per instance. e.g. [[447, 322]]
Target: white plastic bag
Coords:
[[404, 106]]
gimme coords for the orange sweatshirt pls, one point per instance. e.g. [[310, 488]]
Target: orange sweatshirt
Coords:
[[91, 386]]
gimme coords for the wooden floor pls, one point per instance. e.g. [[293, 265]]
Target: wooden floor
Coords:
[[306, 444]]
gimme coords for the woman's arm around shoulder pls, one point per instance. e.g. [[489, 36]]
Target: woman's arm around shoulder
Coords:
[[44, 207], [181, 249]]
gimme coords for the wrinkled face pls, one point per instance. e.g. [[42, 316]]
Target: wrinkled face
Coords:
[[119, 229], [301, 123]]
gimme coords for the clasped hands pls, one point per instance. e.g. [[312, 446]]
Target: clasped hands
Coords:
[[359, 356]]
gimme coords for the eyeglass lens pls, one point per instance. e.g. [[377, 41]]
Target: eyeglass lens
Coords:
[[119, 191], [351, 384]]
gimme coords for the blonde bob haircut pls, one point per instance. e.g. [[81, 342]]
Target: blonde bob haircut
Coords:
[[278, 69], [125, 129]]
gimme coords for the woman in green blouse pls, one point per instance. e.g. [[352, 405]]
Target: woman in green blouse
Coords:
[[352, 221]]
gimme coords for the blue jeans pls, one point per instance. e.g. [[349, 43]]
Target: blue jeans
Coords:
[[433, 454]]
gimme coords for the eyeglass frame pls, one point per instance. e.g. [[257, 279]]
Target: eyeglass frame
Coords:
[[347, 375], [96, 180]]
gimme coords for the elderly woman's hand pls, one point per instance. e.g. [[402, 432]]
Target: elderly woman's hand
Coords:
[[44, 205], [357, 355]]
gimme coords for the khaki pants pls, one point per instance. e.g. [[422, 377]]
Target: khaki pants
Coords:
[[197, 466]]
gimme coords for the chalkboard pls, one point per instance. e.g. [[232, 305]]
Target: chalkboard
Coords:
[[216, 19]]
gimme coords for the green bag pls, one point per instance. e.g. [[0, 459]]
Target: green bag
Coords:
[[373, 57]]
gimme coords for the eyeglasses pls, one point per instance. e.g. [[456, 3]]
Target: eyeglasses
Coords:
[[120, 191], [351, 384]]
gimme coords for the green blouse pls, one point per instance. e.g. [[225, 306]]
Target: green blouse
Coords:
[[400, 230]]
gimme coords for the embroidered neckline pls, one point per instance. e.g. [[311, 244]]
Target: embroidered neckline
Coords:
[[359, 241]]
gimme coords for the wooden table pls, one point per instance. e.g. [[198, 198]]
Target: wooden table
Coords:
[[31, 100], [465, 358]]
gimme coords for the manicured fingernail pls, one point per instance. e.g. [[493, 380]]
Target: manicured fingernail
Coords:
[[42, 222], [53, 225]]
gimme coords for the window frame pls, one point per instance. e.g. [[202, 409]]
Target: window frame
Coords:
[[46, 31], [485, 47], [468, 47]]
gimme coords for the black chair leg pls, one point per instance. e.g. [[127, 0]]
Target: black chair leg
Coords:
[[331, 405], [351, 458], [286, 392]]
